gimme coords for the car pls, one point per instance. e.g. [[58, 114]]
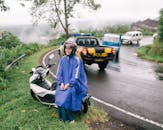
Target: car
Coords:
[[131, 37], [90, 50], [113, 40]]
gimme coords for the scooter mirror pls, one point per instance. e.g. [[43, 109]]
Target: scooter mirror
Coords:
[[33, 69]]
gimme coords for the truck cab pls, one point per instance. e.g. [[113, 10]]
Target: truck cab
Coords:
[[113, 40]]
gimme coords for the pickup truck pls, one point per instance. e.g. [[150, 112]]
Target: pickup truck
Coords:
[[113, 40], [90, 50]]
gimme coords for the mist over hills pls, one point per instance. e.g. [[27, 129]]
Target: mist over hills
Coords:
[[30, 33], [43, 33]]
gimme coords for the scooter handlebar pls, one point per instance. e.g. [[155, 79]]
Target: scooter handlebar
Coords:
[[48, 66]]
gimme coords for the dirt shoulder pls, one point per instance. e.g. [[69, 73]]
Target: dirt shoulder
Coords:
[[112, 124]]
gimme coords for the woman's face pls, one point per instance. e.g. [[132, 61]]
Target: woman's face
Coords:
[[68, 51]]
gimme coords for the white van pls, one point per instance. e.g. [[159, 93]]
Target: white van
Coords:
[[132, 36]]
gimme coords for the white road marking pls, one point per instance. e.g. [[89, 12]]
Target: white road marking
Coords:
[[128, 113], [111, 105]]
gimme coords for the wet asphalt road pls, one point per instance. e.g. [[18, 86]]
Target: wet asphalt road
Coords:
[[131, 84]]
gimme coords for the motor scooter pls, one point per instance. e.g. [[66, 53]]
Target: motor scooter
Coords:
[[43, 90]]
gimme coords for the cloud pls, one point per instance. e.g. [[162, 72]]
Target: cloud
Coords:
[[17, 14], [111, 10]]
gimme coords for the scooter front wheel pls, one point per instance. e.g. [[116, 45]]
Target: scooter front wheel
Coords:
[[33, 95]]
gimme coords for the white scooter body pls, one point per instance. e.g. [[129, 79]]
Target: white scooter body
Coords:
[[42, 89]]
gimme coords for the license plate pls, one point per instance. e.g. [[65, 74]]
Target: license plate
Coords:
[[98, 54], [98, 60], [101, 54]]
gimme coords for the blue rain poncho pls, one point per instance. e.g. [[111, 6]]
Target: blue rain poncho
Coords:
[[71, 70]]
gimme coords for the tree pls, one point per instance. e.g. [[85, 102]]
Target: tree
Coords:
[[58, 12], [160, 26], [3, 6]]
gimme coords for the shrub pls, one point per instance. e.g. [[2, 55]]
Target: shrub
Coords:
[[118, 29], [10, 49], [56, 42], [9, 40], [31, 48]]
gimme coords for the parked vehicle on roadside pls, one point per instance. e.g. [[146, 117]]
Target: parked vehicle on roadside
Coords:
[[90, 50], [113, 40], [132, 37], [44, 91]]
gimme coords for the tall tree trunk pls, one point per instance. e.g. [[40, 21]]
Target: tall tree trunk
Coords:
[[66, 19]]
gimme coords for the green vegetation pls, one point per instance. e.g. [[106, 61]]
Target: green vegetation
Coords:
[[160, 27], [9, 40], [151, 52], [154, 52], [18, 111], [57, 42], [147, 32], [10, 49], [119, 29]]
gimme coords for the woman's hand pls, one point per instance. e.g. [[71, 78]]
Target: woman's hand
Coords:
[[62, 86], [66, 86]]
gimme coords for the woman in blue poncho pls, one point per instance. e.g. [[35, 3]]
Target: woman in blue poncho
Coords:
[[71, 83]]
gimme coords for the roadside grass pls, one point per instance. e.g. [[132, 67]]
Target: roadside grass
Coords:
[[18, 111], [150, 53]]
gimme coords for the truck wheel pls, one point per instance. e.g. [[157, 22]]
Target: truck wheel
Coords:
[[117, 56], [102, 65], [138, 42], [130, 42]]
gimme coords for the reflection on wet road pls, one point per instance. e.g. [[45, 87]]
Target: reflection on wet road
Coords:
[[132, 65]]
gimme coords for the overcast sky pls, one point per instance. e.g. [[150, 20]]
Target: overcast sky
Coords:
[[111, 10]]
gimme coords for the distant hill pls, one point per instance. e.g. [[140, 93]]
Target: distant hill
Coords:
[[148, 24]]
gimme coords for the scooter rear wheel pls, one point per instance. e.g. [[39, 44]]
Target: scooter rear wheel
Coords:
[[84, 107]]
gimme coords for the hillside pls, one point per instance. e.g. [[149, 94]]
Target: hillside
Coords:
[[147, 24]]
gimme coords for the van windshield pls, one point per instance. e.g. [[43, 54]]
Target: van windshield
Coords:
[[128, 34]]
